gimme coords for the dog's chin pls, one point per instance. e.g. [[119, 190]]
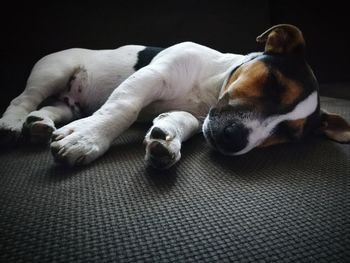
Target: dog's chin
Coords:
[[222, 151], [217, 148]]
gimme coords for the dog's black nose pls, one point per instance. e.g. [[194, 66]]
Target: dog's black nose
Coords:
[[234, 137]]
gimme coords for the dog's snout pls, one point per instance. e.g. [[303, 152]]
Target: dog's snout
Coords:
[[231, 132], [224, 131], [213, 112], [234, 137]]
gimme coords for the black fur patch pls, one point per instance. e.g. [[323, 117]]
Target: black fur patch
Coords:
[[297, 69], [292, 67], [145, 56]]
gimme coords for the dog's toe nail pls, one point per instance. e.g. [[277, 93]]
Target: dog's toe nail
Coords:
[[57, 137], [61, 151]]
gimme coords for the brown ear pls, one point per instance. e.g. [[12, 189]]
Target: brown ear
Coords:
[[283, 39], [335, 127]]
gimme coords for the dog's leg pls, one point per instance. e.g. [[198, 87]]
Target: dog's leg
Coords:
[[84, 140], [44, 81], [163, 140], [40, 124]]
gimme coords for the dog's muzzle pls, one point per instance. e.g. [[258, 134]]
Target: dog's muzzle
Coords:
[[224, 134]]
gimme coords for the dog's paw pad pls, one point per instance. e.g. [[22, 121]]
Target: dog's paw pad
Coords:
[[162, 150], [158, 133], [31, 118], [158, 150], [38, 129], [41, 128], [159, 156], [40, 132]]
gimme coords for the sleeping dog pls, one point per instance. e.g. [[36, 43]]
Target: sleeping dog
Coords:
[[239, 102]]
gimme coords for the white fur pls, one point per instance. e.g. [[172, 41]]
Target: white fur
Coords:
[[178, 127], [261, 129], [186, 77], [106, 69]]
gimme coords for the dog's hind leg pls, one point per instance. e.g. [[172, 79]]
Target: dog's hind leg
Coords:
[[39, 125], [164, 138], [47, 78]]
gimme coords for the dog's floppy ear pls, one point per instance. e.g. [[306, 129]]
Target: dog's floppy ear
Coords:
[[334, 127], [283, 39]]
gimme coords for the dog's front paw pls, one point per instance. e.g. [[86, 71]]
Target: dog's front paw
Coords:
[[162, 148], [38, 128], [78, 143], [10, 130]]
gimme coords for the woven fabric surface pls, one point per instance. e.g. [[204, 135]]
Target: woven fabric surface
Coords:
[[287, 203]]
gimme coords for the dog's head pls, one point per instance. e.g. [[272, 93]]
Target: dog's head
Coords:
[[271, 98]]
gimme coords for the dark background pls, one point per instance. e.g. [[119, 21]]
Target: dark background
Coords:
[[30, 31]]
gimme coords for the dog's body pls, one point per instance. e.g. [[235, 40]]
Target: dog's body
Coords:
[[177, 86]]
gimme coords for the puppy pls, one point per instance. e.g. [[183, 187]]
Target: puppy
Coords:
[[239, 102]]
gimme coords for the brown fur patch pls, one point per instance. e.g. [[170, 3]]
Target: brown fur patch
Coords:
[[298, 126], [334, 122], [284, 40], [248, 80], [272, 141], [335, 127], [292, 89], [295, 39], [274, 43]]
